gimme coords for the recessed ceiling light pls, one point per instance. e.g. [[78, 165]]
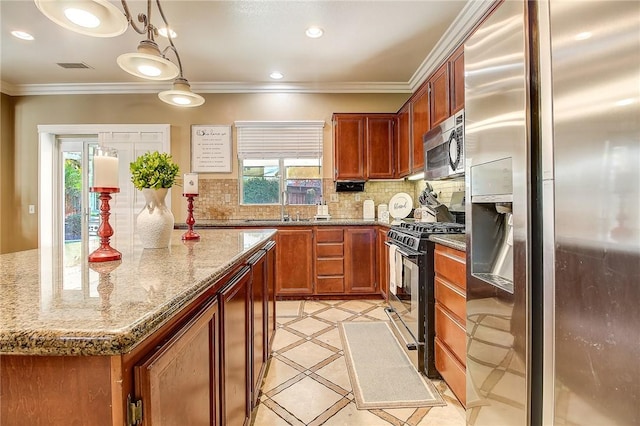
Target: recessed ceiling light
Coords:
[[583, 36], [163, 32], [22, 35], [314, 32], [276, 75]]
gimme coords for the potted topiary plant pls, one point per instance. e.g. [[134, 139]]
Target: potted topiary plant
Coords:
[[154, 173]]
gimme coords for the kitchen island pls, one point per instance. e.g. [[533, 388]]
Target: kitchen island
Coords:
[[77, 341]]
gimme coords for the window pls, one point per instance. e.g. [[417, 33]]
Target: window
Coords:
[[280, 162]]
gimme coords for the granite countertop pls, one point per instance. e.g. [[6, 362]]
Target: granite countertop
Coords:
[[455, 241], [233, 223], [50, 309]]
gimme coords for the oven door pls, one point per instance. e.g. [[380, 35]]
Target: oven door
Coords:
[[404, 311]]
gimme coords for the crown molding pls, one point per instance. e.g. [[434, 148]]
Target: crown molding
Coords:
[[455, 35], [457, 32], [226, 87]]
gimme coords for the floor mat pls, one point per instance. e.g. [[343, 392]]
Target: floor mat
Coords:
[[381, 374]]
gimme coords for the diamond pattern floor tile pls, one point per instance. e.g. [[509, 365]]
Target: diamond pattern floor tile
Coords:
[[307, 354], [307, 384], [306, 399]]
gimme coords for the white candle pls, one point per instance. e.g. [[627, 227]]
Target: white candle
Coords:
[[105, 169], [191, 183]]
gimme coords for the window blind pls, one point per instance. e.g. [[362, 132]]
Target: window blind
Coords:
[[279, 139]]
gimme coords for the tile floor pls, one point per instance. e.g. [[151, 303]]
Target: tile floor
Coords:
[[307, 381]]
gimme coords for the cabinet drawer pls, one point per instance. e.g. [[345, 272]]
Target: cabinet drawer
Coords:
[[330, 250], [451, 334], [329, 235], [452, 371], [329, 267], [452, 298], [330, 285], [451, 264]]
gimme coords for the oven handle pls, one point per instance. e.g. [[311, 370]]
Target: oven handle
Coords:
[[412, 346], [403, 251]]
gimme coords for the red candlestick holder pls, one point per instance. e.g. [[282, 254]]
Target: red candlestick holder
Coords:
[[104, 253], [190, 234]]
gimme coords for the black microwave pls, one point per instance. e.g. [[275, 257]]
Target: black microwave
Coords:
[[444, 149]]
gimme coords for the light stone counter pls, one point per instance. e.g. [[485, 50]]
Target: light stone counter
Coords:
[[455, 241], [203, 224], [49, 309]]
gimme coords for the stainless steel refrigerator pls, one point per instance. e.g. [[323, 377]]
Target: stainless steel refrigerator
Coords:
[[552, 147]]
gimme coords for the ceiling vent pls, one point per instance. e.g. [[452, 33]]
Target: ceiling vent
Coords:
[[74, 65]]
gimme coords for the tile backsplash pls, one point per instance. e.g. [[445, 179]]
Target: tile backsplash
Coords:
[[219, 199]]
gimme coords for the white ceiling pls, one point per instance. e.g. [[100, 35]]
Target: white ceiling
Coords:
[[233, 46]]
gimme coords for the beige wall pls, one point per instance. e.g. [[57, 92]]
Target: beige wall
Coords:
[[8, 208], [20, 147]]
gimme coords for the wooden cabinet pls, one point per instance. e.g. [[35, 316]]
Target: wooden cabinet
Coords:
[[403, 141], [380, 142], [329, 260], [344, 261], [349, 146], [360, 260], [178, 382], [450, 318], [420, 124], [382, 263], [456, 74], [293, 261], [235, 362], [271, 296], [439, 89], [363, 146]]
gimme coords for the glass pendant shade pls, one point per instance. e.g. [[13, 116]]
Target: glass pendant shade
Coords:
[[181, 95], [148, 63], [97, 18]]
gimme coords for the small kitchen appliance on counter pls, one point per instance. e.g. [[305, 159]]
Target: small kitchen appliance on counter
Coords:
[[368, 210]]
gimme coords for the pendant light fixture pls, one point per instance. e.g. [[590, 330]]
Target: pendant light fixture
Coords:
[[99, 18]]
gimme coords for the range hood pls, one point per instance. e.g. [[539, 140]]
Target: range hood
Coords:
[[350, 186]]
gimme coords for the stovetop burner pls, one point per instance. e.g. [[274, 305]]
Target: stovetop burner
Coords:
[[415, 235]]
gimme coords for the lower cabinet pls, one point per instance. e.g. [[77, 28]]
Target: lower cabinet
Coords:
[[178, 382], [360, 260], [450, 318], [328, 261], [235, 373], [294, 268]]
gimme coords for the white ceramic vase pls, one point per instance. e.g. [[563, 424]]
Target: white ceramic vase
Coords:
[[155, 221]]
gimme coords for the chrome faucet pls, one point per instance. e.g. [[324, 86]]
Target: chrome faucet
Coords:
[[284, 217]]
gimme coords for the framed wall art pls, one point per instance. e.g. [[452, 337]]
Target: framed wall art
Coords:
[[211, 148]]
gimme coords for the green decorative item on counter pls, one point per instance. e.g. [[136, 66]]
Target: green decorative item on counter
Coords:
[[154, 173], [153, 170]]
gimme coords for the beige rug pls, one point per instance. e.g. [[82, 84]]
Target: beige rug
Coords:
[[381, 374], [289, 308]]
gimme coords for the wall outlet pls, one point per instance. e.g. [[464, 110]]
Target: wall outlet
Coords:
[[227, 198], [32, 209], [334, 198], [357, 197]]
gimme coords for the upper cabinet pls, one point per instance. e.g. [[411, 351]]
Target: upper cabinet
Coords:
[[363, 146], [447, 88], [456, 80], [421, 124], [439, 89], [403, 141]]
